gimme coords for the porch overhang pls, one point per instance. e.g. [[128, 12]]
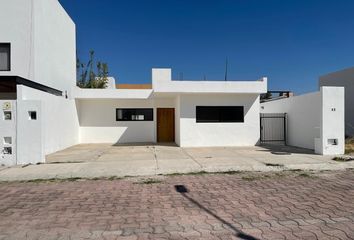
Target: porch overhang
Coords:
[[79, 93]]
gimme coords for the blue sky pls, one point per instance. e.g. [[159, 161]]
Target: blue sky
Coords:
[[291, 42]]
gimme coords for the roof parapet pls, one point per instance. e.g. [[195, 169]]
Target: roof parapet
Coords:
[[162, 82]]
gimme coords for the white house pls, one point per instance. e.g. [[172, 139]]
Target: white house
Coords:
[[343, 78], [42, 110], [189, 113], [37, 71]]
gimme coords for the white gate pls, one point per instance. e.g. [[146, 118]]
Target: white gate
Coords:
[[7, 132]]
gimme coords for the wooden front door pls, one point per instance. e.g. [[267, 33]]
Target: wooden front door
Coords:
[[165, 124]]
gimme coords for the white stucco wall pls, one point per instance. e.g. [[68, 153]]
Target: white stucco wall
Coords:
[[54, 46], [8, 129], [121, 94], [193, 134], [311, 120], [333, 120], [303, 118], [98, 120], [16, 25], [58, 117], [162, 82], [43, 44], [30, 133], [343, 78]]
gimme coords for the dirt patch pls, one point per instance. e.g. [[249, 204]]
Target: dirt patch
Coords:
[[349, 146]]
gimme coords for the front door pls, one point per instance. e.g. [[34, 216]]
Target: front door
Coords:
[[165, 124]]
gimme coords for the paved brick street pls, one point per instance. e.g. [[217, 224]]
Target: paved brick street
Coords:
[[222, 206]]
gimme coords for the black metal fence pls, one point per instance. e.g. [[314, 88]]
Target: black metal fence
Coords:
[[273, 128]]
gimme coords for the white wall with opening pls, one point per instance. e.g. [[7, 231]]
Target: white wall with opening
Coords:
[[314, 120]]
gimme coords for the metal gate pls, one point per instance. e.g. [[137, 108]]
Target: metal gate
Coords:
[[273, 128]]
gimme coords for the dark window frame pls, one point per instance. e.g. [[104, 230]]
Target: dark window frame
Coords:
[[9, 57], [136, 120], [221, 114]]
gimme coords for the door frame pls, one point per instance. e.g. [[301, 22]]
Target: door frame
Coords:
[[157, 124]]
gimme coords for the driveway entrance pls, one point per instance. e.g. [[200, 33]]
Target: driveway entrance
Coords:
[[153, 159], [273, 128]]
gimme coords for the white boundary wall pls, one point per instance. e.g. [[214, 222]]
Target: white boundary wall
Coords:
[[343, 78], [56, 127], [313, 119]]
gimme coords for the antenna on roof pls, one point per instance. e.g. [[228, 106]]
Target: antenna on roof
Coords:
[[204, 77], [226, 68], [181, 76]]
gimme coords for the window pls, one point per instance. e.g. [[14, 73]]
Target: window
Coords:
[[4, 56], [219, 114], [32, 115], [138, 114]]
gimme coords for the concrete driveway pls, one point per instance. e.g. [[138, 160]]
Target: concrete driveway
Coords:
[[105, 160], [171, 159]]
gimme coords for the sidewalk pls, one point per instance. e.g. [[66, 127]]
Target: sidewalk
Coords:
[[157, 160]]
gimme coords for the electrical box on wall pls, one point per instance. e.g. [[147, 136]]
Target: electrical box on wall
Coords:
[[8, 133]]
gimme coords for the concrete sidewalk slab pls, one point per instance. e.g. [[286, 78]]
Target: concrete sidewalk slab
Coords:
[[104, 160]]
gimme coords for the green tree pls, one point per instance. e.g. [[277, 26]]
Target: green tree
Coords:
[[88, 76]]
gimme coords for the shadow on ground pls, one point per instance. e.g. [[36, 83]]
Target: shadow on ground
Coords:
[[284, 150], [238, 233]]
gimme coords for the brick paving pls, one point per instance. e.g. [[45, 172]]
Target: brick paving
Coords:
[[220, 206]]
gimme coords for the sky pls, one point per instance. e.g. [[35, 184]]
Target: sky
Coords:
[[292, 42]]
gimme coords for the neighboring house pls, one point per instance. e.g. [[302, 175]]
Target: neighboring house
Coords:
[[343, 78], [275, 95], [42, 111], [37, 72]]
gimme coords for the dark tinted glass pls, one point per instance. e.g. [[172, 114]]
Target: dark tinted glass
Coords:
[[137, 114], [4, 57], [220, 114]]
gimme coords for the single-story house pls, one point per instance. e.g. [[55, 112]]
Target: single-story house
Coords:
[[42, 110]]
